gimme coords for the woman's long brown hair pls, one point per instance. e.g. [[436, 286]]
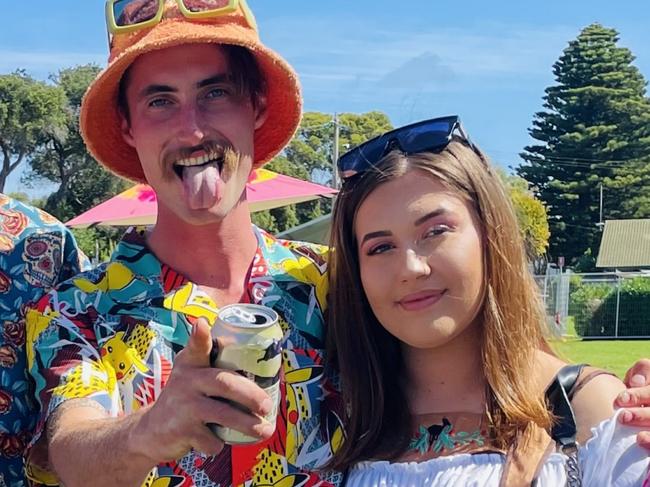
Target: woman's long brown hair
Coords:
[[378, 422]]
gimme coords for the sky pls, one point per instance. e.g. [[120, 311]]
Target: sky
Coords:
[[488, 62]]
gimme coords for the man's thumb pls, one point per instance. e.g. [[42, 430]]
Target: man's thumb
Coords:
[[197, 351]]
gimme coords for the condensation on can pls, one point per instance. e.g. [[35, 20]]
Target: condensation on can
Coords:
[[250, 337]]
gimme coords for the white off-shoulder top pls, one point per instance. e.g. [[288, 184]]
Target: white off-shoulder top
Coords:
[[610, 458]]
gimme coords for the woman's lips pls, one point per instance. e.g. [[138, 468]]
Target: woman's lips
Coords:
[[421, 300]]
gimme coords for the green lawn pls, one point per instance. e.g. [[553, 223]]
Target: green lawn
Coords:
[[614, 355]]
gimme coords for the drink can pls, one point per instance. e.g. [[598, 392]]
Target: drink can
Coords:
[[250, 339]]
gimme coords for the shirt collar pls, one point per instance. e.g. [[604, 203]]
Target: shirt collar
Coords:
[[133, 252]]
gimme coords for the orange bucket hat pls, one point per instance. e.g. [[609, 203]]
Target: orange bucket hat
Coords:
[[100, 120]]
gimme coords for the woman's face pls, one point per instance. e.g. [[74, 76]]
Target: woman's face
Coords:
[[421, 259]]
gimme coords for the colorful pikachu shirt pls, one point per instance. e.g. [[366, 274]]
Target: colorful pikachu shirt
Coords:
[[112, 334], [36, 252]]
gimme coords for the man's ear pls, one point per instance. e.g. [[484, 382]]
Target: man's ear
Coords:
[[127, 133], [260, 111]]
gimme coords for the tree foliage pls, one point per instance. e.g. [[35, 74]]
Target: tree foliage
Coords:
[[62, 156], [30, 111], [595, 129], [97, 243], [309, 156], [20, 196], [312, 147], [531, 216], [606, 310]]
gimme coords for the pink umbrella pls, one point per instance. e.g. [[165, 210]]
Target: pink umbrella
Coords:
[[137, 206]]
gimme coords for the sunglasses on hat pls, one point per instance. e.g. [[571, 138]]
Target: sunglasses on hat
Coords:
[[426, 136], [124, 16]]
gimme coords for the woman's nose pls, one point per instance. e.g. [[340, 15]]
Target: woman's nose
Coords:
[[415, 265]]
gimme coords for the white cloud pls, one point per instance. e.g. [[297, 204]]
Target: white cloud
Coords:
[[363, 47]]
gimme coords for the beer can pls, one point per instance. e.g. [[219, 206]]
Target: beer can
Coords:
[[250, 338]]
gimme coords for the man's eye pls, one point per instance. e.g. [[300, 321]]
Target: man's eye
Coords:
[[158, 102], [216, 93]]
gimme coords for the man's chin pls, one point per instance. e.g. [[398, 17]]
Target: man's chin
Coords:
[[206, 216]]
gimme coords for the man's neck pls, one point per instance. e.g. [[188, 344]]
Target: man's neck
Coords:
[[449, 378], [216, 256]]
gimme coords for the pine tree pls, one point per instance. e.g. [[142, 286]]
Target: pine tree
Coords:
[[595, 129]]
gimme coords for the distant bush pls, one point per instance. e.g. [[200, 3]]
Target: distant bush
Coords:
[[584, 301], [103, 239], [633, 314]]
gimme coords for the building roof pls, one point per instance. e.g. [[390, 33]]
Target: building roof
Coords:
[[625, 244], [315, 231]]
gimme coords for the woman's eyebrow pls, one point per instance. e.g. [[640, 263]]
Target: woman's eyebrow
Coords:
[[434, 213], [380, 233]]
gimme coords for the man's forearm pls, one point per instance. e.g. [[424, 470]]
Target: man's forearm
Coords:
[[86, 449]]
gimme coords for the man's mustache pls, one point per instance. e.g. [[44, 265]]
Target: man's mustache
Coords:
[[216, 149]]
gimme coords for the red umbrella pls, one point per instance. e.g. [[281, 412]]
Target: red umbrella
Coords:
[[138, 206]]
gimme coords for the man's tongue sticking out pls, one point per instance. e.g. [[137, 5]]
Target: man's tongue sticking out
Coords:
[[201, 185]]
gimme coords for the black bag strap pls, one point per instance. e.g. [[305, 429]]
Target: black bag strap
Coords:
[[525, 458], [564, 431], [557, 394]]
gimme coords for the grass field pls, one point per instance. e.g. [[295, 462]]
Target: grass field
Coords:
[[614, 355]]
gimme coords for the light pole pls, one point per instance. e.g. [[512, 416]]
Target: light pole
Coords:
[[600, 223], [335, 153]]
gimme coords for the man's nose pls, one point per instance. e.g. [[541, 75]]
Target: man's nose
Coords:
[[191, 129]]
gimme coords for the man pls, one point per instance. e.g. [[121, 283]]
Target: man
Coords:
[[121, 355], [36, 253]]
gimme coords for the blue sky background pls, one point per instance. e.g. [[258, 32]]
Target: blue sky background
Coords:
[[486, 61]]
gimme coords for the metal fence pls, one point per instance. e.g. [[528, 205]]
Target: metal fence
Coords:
[[604, 305]]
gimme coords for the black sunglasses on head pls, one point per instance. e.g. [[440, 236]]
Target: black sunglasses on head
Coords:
[[426, 136]]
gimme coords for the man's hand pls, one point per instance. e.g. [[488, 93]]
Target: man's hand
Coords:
[[636, 400], [176, 422], [121, 451]]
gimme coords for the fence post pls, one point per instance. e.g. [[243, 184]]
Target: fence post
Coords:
[[618, 303]]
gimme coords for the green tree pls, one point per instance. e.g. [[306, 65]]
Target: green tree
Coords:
[[30, 110], [531, 216], [19, 196], [285, 217], [595, 129], [265, 220], [97, 243], [62, 156], [312, 146], [309, 157]]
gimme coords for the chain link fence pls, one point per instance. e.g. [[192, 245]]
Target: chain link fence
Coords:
[[604, 305]]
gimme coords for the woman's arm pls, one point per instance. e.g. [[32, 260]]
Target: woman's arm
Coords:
[[610, 453], [594, 402]]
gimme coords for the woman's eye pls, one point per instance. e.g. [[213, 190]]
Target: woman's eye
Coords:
[[379, 249], [436, 231]]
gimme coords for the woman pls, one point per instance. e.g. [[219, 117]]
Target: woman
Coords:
[[437, 329]]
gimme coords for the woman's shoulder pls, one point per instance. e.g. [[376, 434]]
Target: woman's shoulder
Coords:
[[593, 401], [609, 455]]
